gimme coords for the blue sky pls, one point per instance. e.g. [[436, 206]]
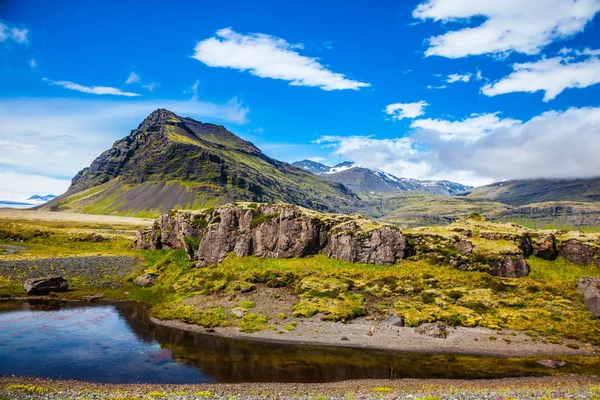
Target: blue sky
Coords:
[[446, 89]]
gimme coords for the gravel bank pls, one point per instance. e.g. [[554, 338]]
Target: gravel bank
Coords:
[[521, 388], [103, 272]]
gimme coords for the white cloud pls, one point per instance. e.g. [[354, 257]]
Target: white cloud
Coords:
[[32, 63], [466, 130], [555, 144], [523, 26], [55, 138], [589, 52], [12, 33], [133, 78], [269, 57], [479, 76], [151, 86], [552, 75], [100, 90], [400, 111], [459, 78]]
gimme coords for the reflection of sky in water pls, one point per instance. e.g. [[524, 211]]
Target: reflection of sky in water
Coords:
[[91, 343]]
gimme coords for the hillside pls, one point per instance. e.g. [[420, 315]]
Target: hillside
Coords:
[[361, 179], [522, 192], [173, 162]]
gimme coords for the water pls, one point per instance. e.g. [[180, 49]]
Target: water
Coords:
[[117, 343]]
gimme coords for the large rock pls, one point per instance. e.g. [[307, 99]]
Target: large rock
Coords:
[[546, 248], [512, 266], [43, 286], [577, 252], [145, 280], [590, 287], [273, 231]]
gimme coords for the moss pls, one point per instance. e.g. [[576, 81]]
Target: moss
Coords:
[[191, 242], [289, 328], [253, 323], [281, 316], [247, 304], [259, 218]]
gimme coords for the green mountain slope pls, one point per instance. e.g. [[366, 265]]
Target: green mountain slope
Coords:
[[173, 162], [522, 192]]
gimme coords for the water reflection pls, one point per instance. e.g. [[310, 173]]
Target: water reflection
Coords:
[[118, 343]]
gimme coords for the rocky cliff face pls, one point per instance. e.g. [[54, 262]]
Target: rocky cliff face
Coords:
[[286, 231], [274, 231]]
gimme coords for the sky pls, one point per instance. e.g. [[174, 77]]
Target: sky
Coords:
[[466, 90]]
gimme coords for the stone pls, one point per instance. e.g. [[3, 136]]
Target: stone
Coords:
[[96, 238], [577, 252], [93, 297], [513, 266], [526, 246], [437, 330], [238, 313], [551, 363], [145, 280], [464, 247], [394, 320], [344, 338], [547, 250], [590, 287], [43, 286]]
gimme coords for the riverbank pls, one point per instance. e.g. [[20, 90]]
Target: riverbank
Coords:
[[362, 333], [431, 389]]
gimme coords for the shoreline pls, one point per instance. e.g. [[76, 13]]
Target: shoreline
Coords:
[[533, 387], [460, 341]]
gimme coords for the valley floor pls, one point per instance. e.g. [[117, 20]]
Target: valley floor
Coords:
[[516, 388]]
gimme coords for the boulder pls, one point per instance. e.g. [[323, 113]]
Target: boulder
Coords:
[[394, 320], [577, 252], [145, 280], [464, 247], [437, 330], [93, 297], [238, 313], [382, 245], [526, 246], [590, 287], [546, 249], [43, 286], [512, 266]]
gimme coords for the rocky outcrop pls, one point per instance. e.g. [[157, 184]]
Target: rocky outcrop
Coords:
[[546, 248], [577, 252], [510, 267], [43, 286], [590, 287], [145, 280], [274, 231]]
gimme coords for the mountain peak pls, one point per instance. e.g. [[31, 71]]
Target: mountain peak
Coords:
[[159, 116]]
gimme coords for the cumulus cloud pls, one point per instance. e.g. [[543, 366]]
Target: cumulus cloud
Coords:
[[551, 75], [466, 130], [12, 33], [133, 78], [452, 78], [400, 111], [508, 25], [269, 57], [100, 90], [55, 138], [555, 144]]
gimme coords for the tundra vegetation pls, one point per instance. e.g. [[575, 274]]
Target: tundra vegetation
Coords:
[[429, 285]]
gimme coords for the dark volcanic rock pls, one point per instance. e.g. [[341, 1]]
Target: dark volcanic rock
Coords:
[[526, 246], [394, 320], [577, 252], [547, 248], [511, 267], [590, 287], [43, 286]]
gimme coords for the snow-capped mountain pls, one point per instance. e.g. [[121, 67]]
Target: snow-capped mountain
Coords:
[[362, 179], [40, 199], [32, 201]]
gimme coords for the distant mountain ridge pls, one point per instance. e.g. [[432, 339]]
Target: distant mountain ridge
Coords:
[[173, 162], [361, 179]]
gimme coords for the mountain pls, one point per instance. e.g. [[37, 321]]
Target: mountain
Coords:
[[529, 191], [174, 162], [361, 179]]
